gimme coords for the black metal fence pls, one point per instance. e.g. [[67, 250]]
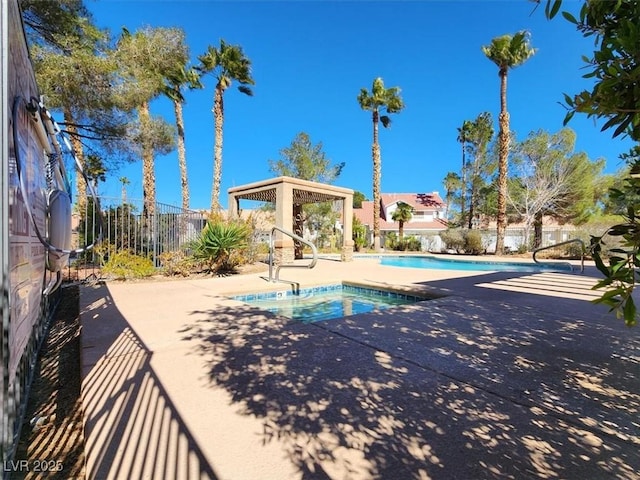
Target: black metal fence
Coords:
[[126, 225]]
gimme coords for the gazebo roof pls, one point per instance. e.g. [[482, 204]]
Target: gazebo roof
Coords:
[[304, 191]]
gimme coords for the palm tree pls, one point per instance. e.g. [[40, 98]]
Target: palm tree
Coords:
[[379, 98], [146, 58], [506, 52], [174, 83], [463, 137], [124, 181], [402, 214], [227, 63]]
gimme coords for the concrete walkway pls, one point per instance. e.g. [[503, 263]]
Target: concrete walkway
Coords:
[[507, 376]]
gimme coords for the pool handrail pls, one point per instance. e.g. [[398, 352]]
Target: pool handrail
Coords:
[[573, 240], [314, 250]]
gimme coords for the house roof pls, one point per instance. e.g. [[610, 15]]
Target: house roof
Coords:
[[418, 201]]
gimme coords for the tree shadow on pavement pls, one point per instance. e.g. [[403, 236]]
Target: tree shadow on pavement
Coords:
[[405, 394]]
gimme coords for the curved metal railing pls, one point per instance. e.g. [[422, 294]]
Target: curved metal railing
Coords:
[[314, 260], [573, 240]]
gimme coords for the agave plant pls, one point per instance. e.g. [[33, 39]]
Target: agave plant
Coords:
[[219, 240]]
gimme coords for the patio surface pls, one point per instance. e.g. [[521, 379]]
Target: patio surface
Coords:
[[510, 375]]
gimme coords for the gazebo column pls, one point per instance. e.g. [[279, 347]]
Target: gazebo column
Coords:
[[283, 244], [234, 206], [347, 229]]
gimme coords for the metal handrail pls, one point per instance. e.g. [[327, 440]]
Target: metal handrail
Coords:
[[314, 260], [573, 240]]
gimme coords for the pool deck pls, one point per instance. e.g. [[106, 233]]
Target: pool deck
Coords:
[[508, 375]]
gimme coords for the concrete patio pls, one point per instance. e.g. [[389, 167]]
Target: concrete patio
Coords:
[[509, 375]]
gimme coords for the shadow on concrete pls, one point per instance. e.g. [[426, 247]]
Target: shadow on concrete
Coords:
[[433, 390], [133, 430]]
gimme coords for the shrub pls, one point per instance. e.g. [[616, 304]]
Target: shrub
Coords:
[[359, 234], [453, 239], [221, 242], [473, 244], [124, 265], [177, 263], [412, 244], [391, 241]]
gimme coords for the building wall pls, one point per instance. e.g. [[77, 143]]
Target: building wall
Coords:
[[24, 276]]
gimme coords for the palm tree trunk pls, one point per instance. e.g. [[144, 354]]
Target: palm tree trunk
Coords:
[[503, 151], [400, 230], [76, 144], [375, 151], [182, 155], [218, 117], [148, 174], [463, 193]]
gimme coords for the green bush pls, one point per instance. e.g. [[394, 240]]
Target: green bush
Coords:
[[124, 265], [453, 239], [473, 242], [412, 244], [221, 244], [391, 240], [359, 234]]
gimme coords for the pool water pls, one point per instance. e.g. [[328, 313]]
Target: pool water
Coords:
[[470, 265], [324, 303]]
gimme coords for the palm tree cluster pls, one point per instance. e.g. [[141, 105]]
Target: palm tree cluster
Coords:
[[138, 67], [105, 88]]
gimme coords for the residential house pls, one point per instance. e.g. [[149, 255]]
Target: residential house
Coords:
[[427, 220]]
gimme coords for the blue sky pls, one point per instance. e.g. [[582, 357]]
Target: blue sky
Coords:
[[311, 58]]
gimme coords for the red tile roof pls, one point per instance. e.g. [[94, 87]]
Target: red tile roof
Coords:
[[419, 201]]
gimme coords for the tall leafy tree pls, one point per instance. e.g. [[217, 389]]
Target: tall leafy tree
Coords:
[[452, 184], [507, 52], [402, 214], [226, 63], [358, 198], [53, 22], [145, 59], [479, 135], [377, 100], [550, 179], [76, 74], [463, 137], [175, 83], [305, 160]]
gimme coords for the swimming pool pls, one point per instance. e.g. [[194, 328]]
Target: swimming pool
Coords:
[[326, 302], [470, 265]]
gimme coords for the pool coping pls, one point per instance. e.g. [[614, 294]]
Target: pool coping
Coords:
[[295, 289], [417, 295]]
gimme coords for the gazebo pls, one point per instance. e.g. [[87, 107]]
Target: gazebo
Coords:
[[288, 194]]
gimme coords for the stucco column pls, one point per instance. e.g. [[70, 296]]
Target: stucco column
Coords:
[[283, 244], [347, 229], [234, 206]]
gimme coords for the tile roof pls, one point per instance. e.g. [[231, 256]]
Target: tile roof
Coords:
[[419, 201]]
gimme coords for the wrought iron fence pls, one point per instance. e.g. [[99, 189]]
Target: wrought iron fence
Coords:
[[126, 225]]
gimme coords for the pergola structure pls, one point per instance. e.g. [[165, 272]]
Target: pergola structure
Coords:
[[287, 193]]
